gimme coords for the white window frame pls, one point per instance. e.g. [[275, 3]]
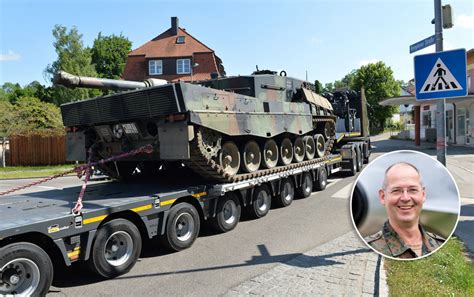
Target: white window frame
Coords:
[[180, 39], [155, 67], [185, 65]]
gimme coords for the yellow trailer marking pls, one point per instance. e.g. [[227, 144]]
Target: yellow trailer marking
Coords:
[[141, 208], [94, 219], [171, 201]]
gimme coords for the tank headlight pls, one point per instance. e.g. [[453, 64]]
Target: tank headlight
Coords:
[[118, 131]]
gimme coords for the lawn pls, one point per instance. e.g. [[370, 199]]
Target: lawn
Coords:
[[32, 171], [447, 272]]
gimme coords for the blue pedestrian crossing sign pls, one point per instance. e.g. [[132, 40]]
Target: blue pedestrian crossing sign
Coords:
[[441, 75]]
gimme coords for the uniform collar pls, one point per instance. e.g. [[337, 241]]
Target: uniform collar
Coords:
[[397, 246]]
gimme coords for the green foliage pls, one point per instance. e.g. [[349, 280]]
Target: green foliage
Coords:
[[109, 55], [30, 116], [319, 86], [379, 84], [72, 58]]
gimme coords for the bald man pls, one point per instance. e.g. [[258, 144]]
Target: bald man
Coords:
[[402, 235]]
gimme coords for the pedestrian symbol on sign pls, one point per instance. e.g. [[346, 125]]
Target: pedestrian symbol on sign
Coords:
[[440, 79]]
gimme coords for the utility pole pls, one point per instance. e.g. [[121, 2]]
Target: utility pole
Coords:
[[441, 103]]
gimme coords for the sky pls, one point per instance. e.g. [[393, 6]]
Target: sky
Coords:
[[317, 39]]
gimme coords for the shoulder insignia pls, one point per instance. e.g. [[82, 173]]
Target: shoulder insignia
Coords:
[[373, 237]]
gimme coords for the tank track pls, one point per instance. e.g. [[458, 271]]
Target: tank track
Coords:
[[210, 169]]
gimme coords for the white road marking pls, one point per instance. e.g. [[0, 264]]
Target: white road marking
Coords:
[[49, 188], [343, 193], [332, 182]]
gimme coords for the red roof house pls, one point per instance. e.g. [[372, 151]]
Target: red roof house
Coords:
[[173, 55]]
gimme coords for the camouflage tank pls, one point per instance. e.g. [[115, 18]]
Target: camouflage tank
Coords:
[[225, 129]]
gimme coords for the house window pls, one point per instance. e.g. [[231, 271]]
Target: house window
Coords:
[[180, 39], [183, 66], [426, 119], [155, 67]]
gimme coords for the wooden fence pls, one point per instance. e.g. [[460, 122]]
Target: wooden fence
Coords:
[[36, 150]]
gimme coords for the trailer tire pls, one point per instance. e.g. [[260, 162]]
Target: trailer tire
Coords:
[[304, 191], [359, 159], [261, 202], [116, 248], [27, 267], [182, 227], [352, 165], [287, 193], [322, 181], [227, 214]]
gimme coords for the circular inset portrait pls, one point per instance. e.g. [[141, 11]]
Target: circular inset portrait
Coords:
[[405, 205]]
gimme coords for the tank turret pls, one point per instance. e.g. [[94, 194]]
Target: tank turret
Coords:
[[226, 129]]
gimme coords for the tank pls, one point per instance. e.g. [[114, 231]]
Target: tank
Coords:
[[224, 129]]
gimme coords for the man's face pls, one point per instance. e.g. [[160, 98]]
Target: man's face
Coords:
[[404, 195]]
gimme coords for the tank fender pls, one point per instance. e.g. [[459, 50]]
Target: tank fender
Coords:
[[174, 140]]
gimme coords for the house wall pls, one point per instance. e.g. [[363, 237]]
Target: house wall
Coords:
[[136, 68]]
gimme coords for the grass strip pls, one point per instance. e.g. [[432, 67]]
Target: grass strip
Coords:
[[447, 272], [32, 171]]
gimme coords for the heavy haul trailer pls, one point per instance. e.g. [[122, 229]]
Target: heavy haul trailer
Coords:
[[38, 229]]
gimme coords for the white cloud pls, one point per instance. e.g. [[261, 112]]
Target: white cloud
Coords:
[[465, 21], [366, 62], [10, 56], [316, 41]]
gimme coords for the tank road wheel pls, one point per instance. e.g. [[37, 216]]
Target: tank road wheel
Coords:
[[299, 149], [287, 193], [229, 158], [116, 248], [261, 202], [182, 227], [320, 145], [227, 214], [310, 147], [270, 154], [306, 185], [25, 270], [251, 157], [325, 129], [286, 151], [210, 140]]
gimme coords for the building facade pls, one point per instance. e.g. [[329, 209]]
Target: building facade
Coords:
[[173, 55], [459, 111]]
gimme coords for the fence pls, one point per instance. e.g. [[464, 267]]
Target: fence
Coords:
[[36, 150]]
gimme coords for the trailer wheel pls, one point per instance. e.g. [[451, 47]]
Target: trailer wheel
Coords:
[[306, 185], [182, 227], [367, 153], [359, 159], [287, 193], [322, 181], [25, 270], [116, 248], [261, 202], [228, 213], [353, 165]]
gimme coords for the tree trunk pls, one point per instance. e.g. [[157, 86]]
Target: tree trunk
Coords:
[[4, 149]]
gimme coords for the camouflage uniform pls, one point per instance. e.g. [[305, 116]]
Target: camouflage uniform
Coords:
[[387, 242]]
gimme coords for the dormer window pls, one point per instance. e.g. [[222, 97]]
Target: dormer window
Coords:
[[180, 39]]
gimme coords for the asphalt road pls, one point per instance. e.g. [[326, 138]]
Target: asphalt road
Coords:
[[217, 262]]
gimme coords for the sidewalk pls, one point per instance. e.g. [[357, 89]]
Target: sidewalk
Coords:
[[341, 267], [346, 266]]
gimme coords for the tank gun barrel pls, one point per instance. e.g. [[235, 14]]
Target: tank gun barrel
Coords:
[[72, 81]]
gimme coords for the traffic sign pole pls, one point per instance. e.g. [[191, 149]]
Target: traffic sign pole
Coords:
[[441, 104]]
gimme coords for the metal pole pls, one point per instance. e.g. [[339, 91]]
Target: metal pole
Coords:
[[441, 103]]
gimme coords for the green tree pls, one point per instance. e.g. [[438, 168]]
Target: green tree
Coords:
[[319, 86], [74, 58], [379, 84], [109, 55], [31, 116]]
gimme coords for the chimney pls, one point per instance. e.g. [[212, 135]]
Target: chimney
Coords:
[[174, 25]]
